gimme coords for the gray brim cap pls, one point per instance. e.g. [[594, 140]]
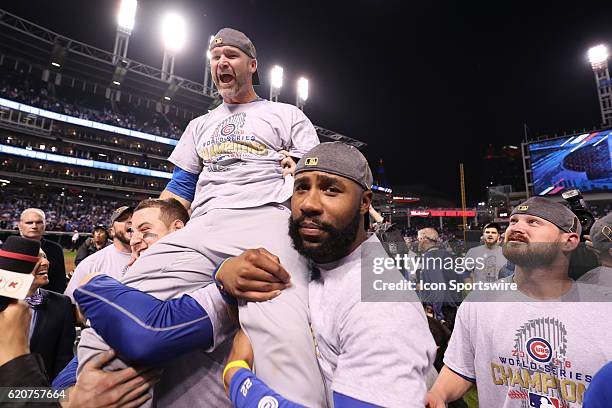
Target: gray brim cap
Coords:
[[339, 159], [234, 38], [551, 211], [601, 232], [119, 212]]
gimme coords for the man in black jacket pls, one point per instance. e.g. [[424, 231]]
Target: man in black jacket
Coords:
[[52, 332], [32, 225], [98, 240]]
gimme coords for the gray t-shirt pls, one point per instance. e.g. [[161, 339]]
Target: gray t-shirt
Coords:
[[528, 353], [600, 276], [378, 352], [487, 262], [109, 261], [234, 149]]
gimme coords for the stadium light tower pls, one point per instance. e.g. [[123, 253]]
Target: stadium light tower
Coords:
[[302, 93], [174, 35], [276, 83], [208, 86], [125, 25], [598, 57]]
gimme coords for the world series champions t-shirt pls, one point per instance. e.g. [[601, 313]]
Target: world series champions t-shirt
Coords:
[[235, 151], [487, 262], [530, 354]]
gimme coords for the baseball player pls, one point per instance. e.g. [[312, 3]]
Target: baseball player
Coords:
[[372, 352], [229, 170], [346, 329], [537, 345]]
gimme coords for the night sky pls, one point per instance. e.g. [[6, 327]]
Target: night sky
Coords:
[[425, 85]]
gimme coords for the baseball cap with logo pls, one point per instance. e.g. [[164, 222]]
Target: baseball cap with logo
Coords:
[[119, 212], [235, 38], [550, 211], [340, 159], [601, 232]]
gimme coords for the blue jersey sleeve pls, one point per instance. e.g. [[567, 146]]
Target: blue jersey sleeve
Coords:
[[248, 391], [183, 184], [599, 393], [164, 329], [67, 377]]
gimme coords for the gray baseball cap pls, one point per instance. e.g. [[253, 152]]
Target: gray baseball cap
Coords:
[[235, 38], [119, 212], [601, 232], [339, 159], [551, 211]]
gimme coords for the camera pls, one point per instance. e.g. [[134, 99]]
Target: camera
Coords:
[[580, 208]]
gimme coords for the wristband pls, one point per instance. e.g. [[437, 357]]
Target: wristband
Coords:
[[232, 364], [229, 299]]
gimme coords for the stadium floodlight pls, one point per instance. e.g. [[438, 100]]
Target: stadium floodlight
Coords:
[[302, 92], [208, 54], [208, 86], [174, 32], [126, 16], [598, 55], [276, 83]]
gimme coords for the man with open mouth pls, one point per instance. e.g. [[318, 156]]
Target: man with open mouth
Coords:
[[233, 171]]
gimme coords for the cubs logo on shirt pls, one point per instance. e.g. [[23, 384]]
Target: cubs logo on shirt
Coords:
[[539, 349]]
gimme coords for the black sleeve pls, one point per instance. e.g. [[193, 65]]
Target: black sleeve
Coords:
[[66, 341], [82, 252], [24, 371], [57, 268]]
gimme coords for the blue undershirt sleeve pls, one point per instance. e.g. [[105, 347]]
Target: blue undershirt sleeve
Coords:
[[248, 391], [164, 329], [67, 377], [183, 184]]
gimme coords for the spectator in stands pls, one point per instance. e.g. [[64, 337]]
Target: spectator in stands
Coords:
[[32, 225], [549, 316], [435, 269], [111, 260], [601, 245], [52, 331], [98, 240], [487, 259]]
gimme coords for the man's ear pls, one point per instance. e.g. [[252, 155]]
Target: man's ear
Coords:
[[571, 241], [366, 201], [177, 225], [253, 66]]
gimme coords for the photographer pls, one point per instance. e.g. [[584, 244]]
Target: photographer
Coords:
[[582, 259]]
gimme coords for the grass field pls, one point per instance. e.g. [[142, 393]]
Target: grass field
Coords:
[[471, 398], [69, 260]]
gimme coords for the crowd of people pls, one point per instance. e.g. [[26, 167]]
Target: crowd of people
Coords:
[[65, 212], [252, 281], [35, 93]]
